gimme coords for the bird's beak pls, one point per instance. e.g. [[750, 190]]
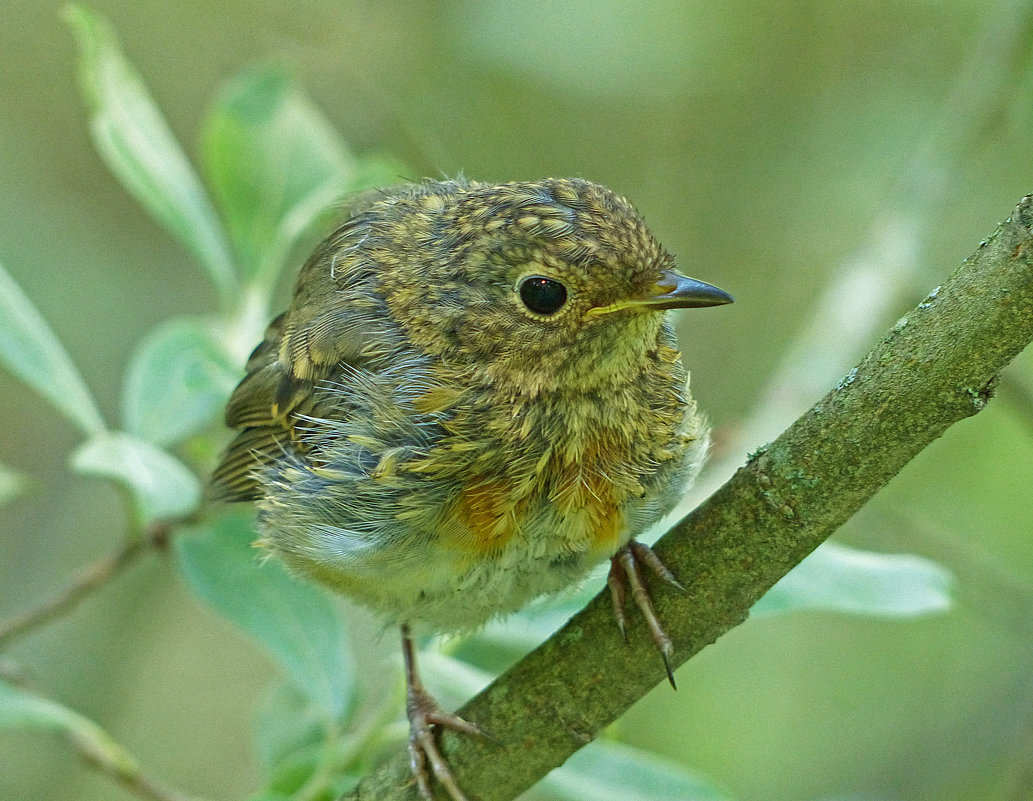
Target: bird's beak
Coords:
[[671, 291], [675, 291]]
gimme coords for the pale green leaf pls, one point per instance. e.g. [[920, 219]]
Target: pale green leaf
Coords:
[[455, 681], [516, 634], [609, 770], [841, 579], [294, 620], [177, 383], [296, 770], [833, 578], [31, 351], [21, 709], [135, 141], [275, 165], [286, 723], [161, 485]]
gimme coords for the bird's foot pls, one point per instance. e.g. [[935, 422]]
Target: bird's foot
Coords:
[[423, 712], [625, 573]]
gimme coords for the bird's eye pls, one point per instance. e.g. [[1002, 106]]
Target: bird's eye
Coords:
[[542, 295]]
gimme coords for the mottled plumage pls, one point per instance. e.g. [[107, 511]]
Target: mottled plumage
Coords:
[[474, 398]]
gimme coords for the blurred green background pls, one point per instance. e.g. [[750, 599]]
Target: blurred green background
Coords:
[[827, 163]]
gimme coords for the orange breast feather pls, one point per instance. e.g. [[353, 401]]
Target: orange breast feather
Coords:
[[587, 514]]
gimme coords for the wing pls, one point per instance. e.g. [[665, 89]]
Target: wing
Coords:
[[336, 320]]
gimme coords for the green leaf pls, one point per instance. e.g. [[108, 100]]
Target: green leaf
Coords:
[[295, 780], [177, 383], [286, 722], [31, 351], [275, 164], [500, 642], [20, 709], [605, 769], [291, 773], [296, 770], [454, 680], [161, 485], [841, 579], [295, 621], [137, 145]]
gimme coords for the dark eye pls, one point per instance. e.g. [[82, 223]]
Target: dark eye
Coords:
[[542, 295]]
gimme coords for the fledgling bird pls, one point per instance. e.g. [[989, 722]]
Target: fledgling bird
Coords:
[[474, 397]]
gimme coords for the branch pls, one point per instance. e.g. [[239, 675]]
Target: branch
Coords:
[[938, 365]]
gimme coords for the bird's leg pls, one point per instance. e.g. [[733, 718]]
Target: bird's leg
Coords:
[[423, 711], [625, 573]]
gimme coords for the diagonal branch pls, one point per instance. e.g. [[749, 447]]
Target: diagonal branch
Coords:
[[938, 365]]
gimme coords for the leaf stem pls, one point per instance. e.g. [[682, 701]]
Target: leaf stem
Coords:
[[127, 774]]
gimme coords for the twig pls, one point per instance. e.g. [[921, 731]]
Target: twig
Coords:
[[91, 742], [937, 366], [89, 579]]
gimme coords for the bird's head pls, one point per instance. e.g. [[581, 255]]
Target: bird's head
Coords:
[[538, 285]]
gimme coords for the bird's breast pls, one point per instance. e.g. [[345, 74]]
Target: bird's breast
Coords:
[[553, 503]]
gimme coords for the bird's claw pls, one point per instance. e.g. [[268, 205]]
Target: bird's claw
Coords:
[[625, 573], [423, 712]]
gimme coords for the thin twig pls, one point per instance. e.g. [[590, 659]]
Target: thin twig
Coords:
[[92, 744], [89, 579]]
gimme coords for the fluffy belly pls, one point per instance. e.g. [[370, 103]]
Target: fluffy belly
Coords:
[[459, 578], [424, 548]]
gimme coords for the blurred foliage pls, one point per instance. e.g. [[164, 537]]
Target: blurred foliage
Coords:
[[825, 163]]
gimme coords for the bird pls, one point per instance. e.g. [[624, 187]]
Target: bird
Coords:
[[474, 397]]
